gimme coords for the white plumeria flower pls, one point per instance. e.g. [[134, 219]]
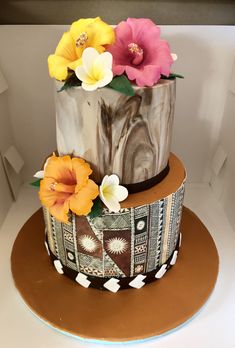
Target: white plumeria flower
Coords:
[[111, 193], [96, 69], [40, 173], [174, 56]]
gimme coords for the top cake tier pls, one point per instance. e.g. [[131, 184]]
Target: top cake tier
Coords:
[[128, 136]]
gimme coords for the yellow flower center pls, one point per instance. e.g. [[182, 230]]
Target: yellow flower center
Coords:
[[82, 39]]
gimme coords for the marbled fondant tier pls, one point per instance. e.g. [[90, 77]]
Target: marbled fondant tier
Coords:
[[137, 240], [128, 136]]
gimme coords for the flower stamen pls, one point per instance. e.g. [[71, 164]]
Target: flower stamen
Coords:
[[53, 186], [81, 40], [60, 187], [134, 48], [137, 52]]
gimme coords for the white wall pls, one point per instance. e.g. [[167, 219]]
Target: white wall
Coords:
[[24, 51], [223, 184], [5, 141], [205, 56]]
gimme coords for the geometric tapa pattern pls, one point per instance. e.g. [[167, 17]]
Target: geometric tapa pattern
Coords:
[[114, 284], [126, 244]]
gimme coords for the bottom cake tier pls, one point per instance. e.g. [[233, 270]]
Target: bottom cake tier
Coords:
[[128, 249]]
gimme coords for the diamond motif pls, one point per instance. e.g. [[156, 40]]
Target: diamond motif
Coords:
[[161, 271], [112, 285], [47, 248], [58, 266], [174, 258], [137, 282], [140, 248], [82, 280]]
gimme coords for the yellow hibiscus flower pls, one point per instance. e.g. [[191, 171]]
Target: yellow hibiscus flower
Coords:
[[89, 32]]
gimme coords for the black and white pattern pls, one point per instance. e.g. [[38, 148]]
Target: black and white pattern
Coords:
[[126, 244], [114, 283]]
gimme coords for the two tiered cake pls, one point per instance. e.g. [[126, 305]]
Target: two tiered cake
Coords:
[[115, 101]]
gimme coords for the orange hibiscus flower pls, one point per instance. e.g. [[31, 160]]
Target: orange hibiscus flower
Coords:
[[66, 186]]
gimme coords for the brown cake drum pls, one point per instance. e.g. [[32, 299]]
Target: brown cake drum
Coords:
[[127, 249], [117, 134]]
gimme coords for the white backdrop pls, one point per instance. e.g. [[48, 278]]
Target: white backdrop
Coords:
[[205, 58]]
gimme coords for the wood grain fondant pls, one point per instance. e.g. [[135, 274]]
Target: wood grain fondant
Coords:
[[128, 136]]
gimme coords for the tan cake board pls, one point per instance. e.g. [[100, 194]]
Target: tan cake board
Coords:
[[129, 314], [163, 189]]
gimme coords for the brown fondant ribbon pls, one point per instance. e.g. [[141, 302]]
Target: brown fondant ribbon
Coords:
[[138, 186], [147, 184]]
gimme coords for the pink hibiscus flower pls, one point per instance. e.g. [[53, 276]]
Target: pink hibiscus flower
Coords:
[[139, 52]]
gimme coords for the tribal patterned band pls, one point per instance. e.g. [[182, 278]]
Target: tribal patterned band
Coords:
[[115, 284], [130, 245]]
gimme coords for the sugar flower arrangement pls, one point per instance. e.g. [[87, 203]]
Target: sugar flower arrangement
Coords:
[[93, 54], [65, 186]]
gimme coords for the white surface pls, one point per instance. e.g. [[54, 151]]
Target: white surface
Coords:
[[223, 183], [205, 58], [218, 160], [14, 159], [13, 164], [213, 327], [6, 139]]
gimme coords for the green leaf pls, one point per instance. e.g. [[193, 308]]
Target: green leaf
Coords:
[[96, 209], [122, 85], [36, 183], [172, 76], [72, 81]]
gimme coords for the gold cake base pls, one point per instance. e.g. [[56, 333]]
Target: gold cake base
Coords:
[[129, 314]]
